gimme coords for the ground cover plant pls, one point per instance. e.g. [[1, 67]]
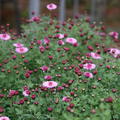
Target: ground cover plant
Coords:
[[54, 71]]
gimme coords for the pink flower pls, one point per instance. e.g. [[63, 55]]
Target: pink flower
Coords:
[[21, 50], [39, 42], [26, 93], [48, 77], [109, 99], [13, 92], [44, 68], [35, 19], [60, 42], [4, 118], [114, 52], [60, 36], [89, 66], [5, 36], [51, 6], [46, 40], [50, 84], [42, 48], [88, 74], [18, 45], [71, 40], [66, 99], [95, 55], [114, 34]]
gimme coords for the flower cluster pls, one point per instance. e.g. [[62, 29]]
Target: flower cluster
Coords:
[[59, 71]]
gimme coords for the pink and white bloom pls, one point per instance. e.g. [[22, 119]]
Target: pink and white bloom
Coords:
[[71, 40], [48, 77], [114, 34], [26, 93], [18, 45], [60, 36], [88, 74], [46, 40], [13, 92], [66, 99], [95, 55], [44, 68], [51, 6], [4, 118], [60, 42], [5, 36], [21, 50], [114, 52], [50, 84], [89, 66]]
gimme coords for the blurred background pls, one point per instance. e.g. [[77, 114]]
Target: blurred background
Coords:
[[106, 11]]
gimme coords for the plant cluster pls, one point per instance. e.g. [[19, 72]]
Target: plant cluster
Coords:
[[56, 71]]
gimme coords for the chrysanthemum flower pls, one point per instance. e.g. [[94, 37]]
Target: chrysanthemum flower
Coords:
[[46, 40], [48, 77], [51, 6], [89, 66], [88, 74], [66, 99], [50, 84], [60, 42], [114, 34], [26, 93], [95, 55], [71, 40], [60, 36], [35, 19], [4, 118], [114, 52], [21, 50], [18, 45], [5, 36], [44, 68]]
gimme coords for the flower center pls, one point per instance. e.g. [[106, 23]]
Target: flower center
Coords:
[[89, 65], [70, 40], [50, 83], [21, 49], [4, 35], [87, 74], [50, 5]]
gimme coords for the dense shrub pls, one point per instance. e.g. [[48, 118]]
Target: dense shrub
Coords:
[[60, 72]]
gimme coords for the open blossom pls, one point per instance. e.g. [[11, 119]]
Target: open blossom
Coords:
[[46, 40], [60, 36], [60, 42], [66, 99], [95, 55], [114, 34], [21, 50], [5, 36], [4, 118], [13, 92], [48, 77], [114, 52], [44, 68], [18, 45], [89, 66], [71, 40], [50, 84], [88, 74], [26, 93], [41, 48], [51, 6]]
